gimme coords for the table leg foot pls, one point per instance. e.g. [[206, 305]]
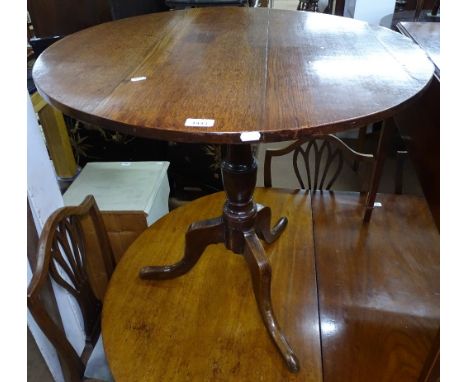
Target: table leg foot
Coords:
[[260, 271], [197, 238], [263, 222]]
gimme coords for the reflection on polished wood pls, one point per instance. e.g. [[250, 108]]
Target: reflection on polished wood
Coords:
[[420, 123], [285, 74], [378, 287], [205, 325], [427, 36]]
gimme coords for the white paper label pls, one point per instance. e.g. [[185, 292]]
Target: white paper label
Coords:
[[250, 136], [136, 79], [194, 122], [377, 204]]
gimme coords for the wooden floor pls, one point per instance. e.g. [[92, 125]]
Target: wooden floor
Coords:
[[377, 289]]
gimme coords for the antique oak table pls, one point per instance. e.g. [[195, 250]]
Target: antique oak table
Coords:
[[233, 76]]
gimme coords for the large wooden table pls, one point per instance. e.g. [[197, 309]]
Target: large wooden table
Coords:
[[244, 75], [358, 302]]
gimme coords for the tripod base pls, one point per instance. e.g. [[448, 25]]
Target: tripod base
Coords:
[[212, 231]]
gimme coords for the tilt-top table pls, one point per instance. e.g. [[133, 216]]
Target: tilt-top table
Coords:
[[233, 76]]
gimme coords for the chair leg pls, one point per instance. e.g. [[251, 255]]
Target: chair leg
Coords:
[[260, 271], [198, 237], [386, 134]]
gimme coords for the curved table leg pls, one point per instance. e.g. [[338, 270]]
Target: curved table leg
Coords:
[[197, 238], [260, 271], [238, 227], [262, 225]]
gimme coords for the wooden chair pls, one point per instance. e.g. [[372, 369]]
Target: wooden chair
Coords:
[[67, 252], [329, 157], [329, 153], [335, 149]]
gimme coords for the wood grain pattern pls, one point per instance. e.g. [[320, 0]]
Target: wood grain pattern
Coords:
[[205, 325], [285, 74], [378, 286]]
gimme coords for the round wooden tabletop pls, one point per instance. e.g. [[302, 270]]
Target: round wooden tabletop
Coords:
[[227, 75]]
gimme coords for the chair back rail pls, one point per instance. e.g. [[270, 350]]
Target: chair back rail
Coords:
[[62, 255], [327, 149]]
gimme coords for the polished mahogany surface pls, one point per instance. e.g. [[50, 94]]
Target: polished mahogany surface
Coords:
[[427, 36], [378, 286], [284, 74], [358, 302], [205, 325]]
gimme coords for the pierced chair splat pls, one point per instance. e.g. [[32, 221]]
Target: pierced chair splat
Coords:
[[328, 150], [67, 251], [329, 154]]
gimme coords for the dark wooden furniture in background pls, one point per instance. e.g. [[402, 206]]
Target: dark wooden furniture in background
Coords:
[[271, 76], [63, 17], [128, 8], [339, 7], [82, 266], [182, 4], [421, 122]]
